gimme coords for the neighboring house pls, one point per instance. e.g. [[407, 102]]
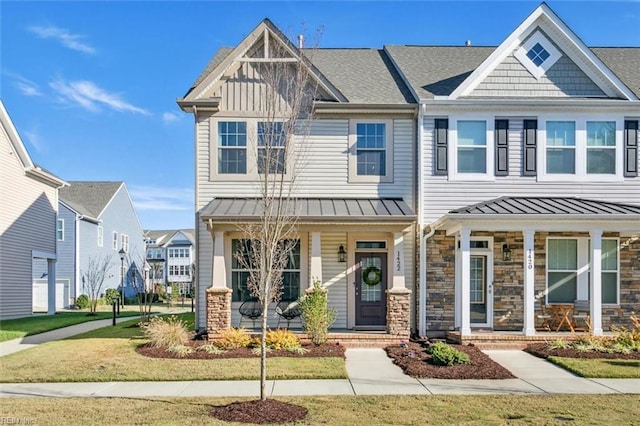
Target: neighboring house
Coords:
[[356, 188], [96, 220], [28, 209], [528, 169], [502, 170], [173, 252]]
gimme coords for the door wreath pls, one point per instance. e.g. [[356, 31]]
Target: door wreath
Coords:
[[372, 276]]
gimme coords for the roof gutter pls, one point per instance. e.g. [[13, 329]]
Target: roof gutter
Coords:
[[37, 173], [532, 104], [361, 108], [210, 104]]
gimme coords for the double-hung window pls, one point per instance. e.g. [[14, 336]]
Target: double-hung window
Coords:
[[114, 241], [125, 242], [271, 148], [561, 147], [472, 146], [232, 147], [371, 158], [60, 230], [568, 270], [243, 264], [601, 147]]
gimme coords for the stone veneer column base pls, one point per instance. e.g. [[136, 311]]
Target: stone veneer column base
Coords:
[[218, 309], [398, 308]]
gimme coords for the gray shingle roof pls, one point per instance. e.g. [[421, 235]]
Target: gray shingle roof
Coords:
[[437, 70], [624, 62], [547, 206], [316, 209], [89, 198]]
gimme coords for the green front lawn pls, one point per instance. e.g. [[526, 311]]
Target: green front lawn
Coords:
[[339, 410], [600, 368], [21, 327], [108, 354]]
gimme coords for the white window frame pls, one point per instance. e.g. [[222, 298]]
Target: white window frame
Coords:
[[535, 70], [353, 152], [583, 268], [580, 149], [100, 237], [124, 242], [60, 230], [454, 175], [114, 241]]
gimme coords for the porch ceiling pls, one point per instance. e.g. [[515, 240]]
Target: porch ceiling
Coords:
[[315, 210], [543, 213]]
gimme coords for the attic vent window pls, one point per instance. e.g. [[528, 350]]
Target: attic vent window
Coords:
[[538, 54]]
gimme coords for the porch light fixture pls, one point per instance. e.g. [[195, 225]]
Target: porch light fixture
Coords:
[[506, 253], [342, 254]]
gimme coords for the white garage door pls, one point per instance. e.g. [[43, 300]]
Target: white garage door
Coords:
[[40, 294]]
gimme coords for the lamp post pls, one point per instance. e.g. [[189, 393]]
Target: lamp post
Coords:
[[122, 253]]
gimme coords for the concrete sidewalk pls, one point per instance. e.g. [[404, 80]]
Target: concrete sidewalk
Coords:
[[370, 372]]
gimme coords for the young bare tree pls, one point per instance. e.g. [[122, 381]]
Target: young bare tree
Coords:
[[93, 277], [285, 101], [144, 277]]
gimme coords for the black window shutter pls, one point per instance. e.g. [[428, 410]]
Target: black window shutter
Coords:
[[631, 148], [529, 148], [502, 147], [441, 147]]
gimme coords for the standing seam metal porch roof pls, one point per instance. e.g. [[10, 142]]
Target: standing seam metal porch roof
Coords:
[[546, 206], [353, 210]]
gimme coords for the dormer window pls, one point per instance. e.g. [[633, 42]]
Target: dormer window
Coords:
[[537, 54]]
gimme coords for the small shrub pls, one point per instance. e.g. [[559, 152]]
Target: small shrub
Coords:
[[282, 339], [316, 313], [166, 333], [627, 338], [82, 301], [233, 338], [256, 350], [558, 344], [211, 349], [591, 343], [111, 296], [444, 354], [180, 350]]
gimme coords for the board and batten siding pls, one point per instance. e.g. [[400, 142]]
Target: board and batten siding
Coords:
[[334, 274], [442, 195], [28, 210]]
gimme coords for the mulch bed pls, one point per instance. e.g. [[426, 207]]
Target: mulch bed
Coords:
[[326, 350], [415, 361], [259, 412], [542, 350]]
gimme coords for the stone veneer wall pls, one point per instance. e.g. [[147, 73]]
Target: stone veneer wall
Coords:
[[398, 312], [508, 288], [218, 309]]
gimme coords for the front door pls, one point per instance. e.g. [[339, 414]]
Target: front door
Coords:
[[371, 286], [480, 289]]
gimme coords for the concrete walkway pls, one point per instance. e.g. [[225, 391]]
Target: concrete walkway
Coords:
[[370, 372]]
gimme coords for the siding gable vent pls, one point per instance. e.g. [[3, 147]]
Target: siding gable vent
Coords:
[[631, 148], [441, 147], [529, 148]]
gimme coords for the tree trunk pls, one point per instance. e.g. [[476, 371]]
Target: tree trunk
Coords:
[[263, 353]]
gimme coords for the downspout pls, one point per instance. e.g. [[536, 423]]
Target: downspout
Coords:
[[76, 268]]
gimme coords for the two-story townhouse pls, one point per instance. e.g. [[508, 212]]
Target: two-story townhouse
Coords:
[[528, 171], [355, 192], [28, 211], [97, 220], [173, 251]]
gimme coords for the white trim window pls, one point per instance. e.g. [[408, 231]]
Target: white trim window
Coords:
[[472, 156], [537, 54], [232, 147], [568, 270], [60, 230], [371, 158], [100, 240], [124, 242], [585, 149], [114, 241]]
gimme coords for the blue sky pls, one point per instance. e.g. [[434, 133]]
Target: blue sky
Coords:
[[91, 86]]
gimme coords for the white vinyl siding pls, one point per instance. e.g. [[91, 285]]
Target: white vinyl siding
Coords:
[[100, 238]]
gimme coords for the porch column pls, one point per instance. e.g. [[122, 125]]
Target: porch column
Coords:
[[465, 281], [51, 286], [529, 283], [596, 281], [315, 271], [219, 275], [398, 261]]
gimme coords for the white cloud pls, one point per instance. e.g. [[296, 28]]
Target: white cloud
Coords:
[[170, 117], [23, 84], [67, 39], [147, 197], [90, 96], [35, 140]]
